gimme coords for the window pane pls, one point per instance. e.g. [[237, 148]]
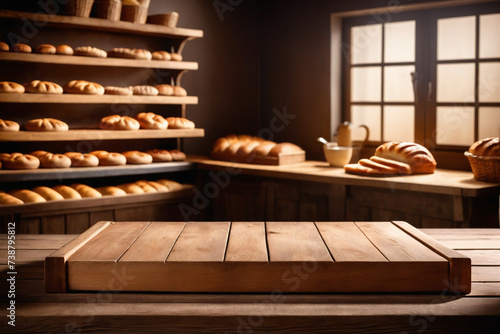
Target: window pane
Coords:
[[456, 38], [489, 82], [398, 84], [366, 44], [455, 83], [455, 126], [489, 40], [399, 123], [366, 84], [369, 116], [399, 44], [489, 122]]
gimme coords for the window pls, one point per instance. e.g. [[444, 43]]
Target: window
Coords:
[[431, 76]]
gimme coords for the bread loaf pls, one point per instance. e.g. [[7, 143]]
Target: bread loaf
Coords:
[[175, 57], [11, 87], [179, 91], [130, 53], [6, 125], [48, 193], [161, 55], [180, 123], [149, 120], [46, 124], [67, 192], [64, 49], [112, 90], [117, 122], [8, 199], [416, 156], [43, 87], [171, 185], [4, 46], [487, 147], [284, 148], [111, 191], [27, 196], [164, 89], [146, 187], [46, 49], [131, 188], [144, 90], [21, 47], [86, 191], [90, 52], [83, 87]]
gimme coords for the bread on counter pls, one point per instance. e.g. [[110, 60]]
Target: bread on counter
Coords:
[[488, 147]]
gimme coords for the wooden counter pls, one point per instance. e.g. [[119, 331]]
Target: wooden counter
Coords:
[[444, 199], [39, 312]]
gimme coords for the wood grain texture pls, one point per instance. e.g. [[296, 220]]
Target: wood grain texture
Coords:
[[247, 242], [346, 242], [295, 242]]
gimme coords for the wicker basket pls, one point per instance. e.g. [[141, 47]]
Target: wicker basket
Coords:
[[484, 168], [80, 8], [133, 13], [108, 9]]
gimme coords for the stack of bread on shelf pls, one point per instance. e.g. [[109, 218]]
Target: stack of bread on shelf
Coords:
[[41, 194], [251, 149], [395, 158]]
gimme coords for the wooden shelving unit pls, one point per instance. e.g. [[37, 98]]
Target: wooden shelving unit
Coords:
[[95, 99]]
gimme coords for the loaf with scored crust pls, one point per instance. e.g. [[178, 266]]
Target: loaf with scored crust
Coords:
[[417, 156]]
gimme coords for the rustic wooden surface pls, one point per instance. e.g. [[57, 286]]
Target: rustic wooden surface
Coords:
[[191, 257], [39, 312]]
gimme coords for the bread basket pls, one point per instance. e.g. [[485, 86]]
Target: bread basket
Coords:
[[107, 9], [79, 8], [135, 11], [484, 168]]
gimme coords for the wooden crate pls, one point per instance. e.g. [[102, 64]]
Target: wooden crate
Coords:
[[256, 257]]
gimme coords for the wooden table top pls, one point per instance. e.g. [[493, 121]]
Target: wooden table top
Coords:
[[37, 311], [442, 181]]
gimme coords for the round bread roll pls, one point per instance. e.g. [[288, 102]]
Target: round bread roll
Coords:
[[50, 160], [28, 196], [4, 46], [21, 161], [82, 159], [144, 90], [99, 153], [149, 120], [67, 192], [112, 90], [137, 157], [117, 122], [64, 49], [487, 147], [86, 191], [175, 57], [130, 53], [161, 55], [46, 49], [164, 89], [160, 155], [8, 199], [179, 91], [177, 155], [39, 153], [21, 47], [418, 157], [180, 123], [111, 191], [48, 193], [6, 125], [112, 159], [46, 124], [171, 185], [83, 87], [131, 188], [43, 87], [90, 52], [146, 187], [11, 87], [5, 156]]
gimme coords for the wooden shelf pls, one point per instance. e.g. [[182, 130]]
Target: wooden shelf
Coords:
[[95, 99], [96, 134], [95, 61], [41, 174], [104, 25], [69, 204]]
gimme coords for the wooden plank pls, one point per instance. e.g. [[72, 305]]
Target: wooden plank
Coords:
[[96, 134], [55, 224], [201, 242], [347, 243], [111, 243], [155, 243], [295, 242], [38, 241], [95, 99], [460, 265], [247, 242], [486, 273], [483, 257], [91, 61], [397, 245], [55, 264], [466, 243]]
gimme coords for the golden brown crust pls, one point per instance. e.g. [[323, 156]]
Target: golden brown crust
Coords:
[[160, 155], [130, 53], [418, 157], [112, 159], [378, 167], [86, 191], [83, 87], [27, 196], [180, 123], [177, 155], [111, 191], [113, 90], [175, 57], [21, 161], [146, 187], [171, 185], [6, 125], [46, 124], [48, 193], [161, 55], [131, 188], [4, 46], [137, 157], [50, 160], [179, 91], [284, 148], [164, 89], [144, 90], [46, 49], [82, 159], [489, 147], [64, 49], [8, 199], [117, 122], [149, 120], [90, 52], [39, 153], [43, 87], [157, 186], [67, 192], [21, 47], [11, 87], [401, 167], [264, 148]]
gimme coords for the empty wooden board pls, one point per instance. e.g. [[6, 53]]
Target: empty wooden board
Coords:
[[265, 257]]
